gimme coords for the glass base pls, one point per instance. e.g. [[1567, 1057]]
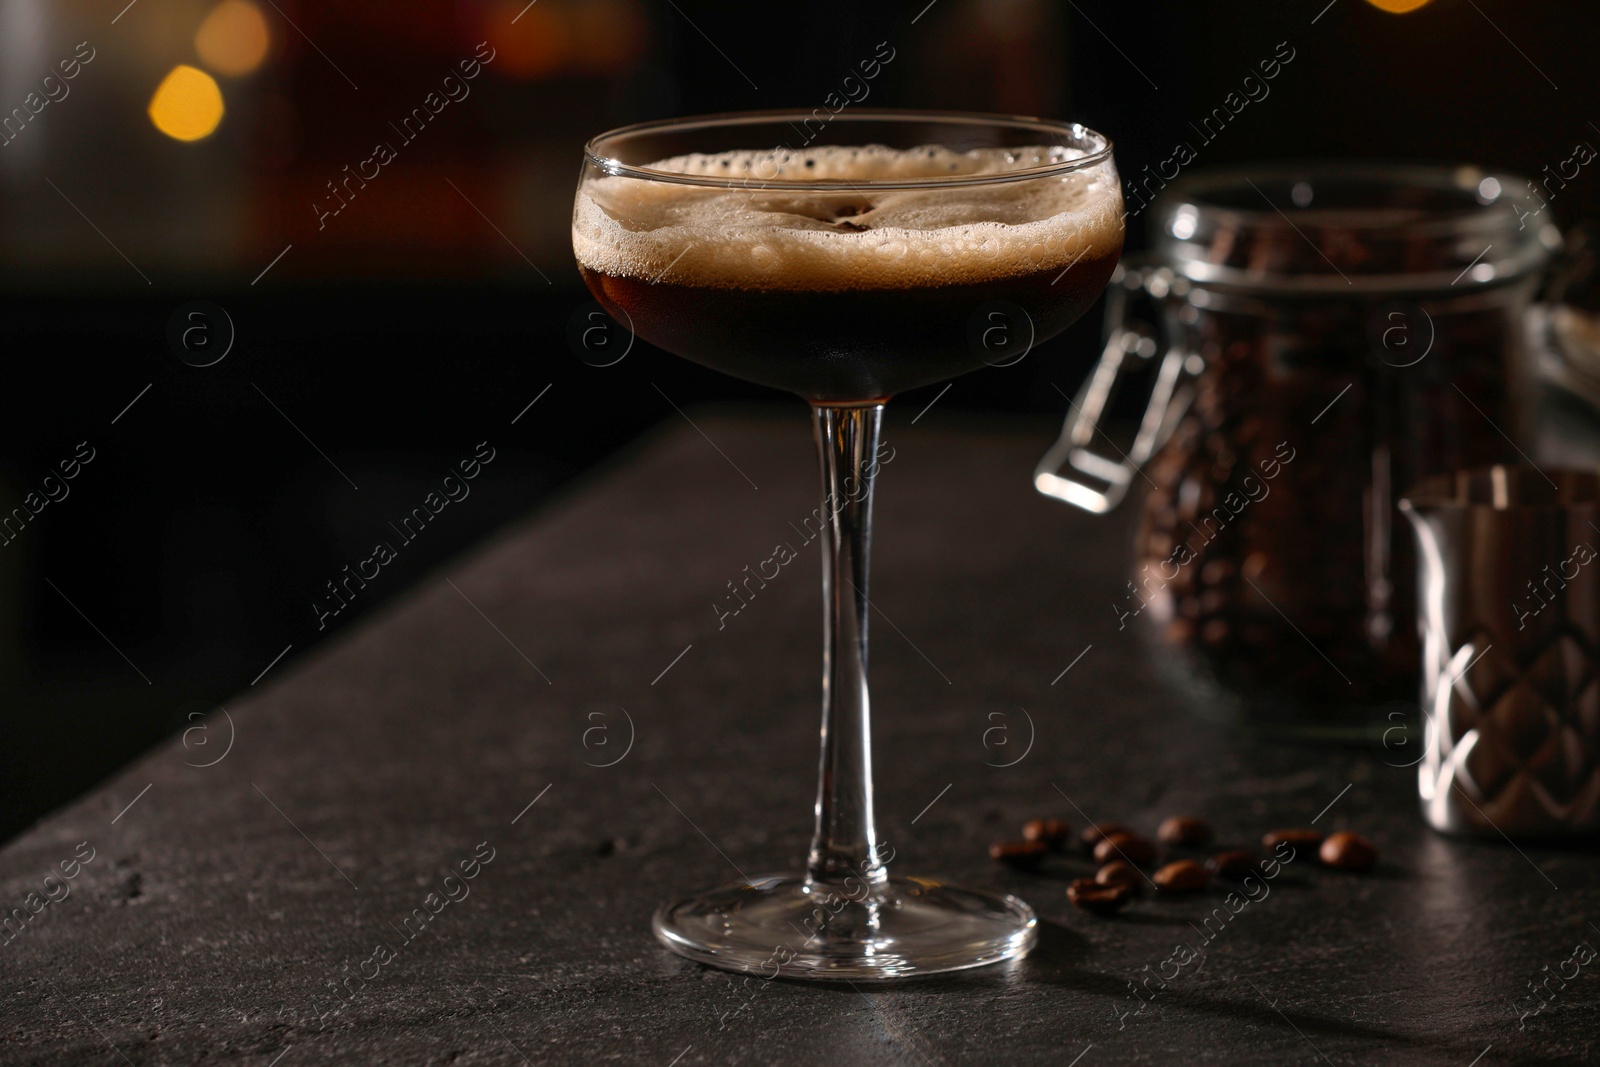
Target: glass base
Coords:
[[781, 927]]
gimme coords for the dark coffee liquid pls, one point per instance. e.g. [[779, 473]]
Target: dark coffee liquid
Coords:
[[855, 345]]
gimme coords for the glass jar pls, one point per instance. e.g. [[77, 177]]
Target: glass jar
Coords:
[[1318, 339]]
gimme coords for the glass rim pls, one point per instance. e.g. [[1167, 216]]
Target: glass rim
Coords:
[[595, 154]]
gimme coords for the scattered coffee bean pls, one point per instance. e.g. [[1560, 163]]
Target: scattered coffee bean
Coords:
[[1124, 846], [1119, 873], [1052, 832], [1300, 839], [1236, 864], [1183, 876], [1092, 834], [1093, 896], [1184, 830], [1023, 855], [1348, 851]]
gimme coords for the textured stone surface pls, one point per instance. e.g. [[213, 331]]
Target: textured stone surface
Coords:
[[222, 908]]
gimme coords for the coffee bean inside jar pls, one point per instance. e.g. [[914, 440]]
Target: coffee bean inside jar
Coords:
[[1329, 336]]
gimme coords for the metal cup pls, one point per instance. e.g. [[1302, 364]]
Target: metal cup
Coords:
[[1509, 605]]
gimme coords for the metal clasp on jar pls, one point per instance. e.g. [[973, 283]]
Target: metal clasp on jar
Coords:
[[1097, 482]]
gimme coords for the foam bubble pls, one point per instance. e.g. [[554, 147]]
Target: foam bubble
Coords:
[[830, 240]]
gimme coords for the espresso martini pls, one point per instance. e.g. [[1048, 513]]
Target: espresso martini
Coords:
[[839, 292]]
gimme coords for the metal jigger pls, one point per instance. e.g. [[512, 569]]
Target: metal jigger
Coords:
[[1509, 583]]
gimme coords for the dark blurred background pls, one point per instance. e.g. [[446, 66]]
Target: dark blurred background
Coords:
[[193, 154]]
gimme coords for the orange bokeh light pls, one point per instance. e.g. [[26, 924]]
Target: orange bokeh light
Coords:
[[234, 38], [187, 105], [1398, 7]]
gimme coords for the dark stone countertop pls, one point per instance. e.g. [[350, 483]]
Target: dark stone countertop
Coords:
[[222, 908]]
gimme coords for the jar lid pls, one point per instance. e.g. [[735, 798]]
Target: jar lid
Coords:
[[1338, 229]]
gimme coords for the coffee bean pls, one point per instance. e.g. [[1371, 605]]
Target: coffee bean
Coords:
[[1118, 873], [1236, 864], [1124, 846], [1348, 851], [1023, 855], [1051, 831], [1183, 876], [1091, 895], [1300, 839], [1093, 834], [1184, 830]]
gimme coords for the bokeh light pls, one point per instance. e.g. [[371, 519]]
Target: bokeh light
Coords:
[[1398, 7], [234, 38], [532, 41], [555, 38], [187, 104]]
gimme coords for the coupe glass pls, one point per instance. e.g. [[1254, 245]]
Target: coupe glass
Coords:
[[847, 257]]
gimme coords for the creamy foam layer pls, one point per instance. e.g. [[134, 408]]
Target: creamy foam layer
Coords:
[[752, 238]]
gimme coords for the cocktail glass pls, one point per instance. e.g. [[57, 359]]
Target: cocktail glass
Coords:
[[847, 258]]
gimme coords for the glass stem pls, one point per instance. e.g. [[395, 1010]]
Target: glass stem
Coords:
[[846, 843]]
